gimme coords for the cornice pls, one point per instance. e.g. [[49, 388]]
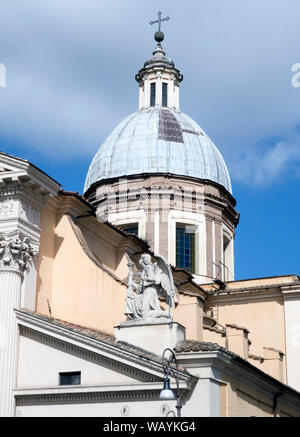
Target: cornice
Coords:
[[174, 178], [231, 364], [196, 294], [230, 213], [30, 193], [69, 204], [126, 392], [291, 292], [232, 298], [20, 170], [265, 292]]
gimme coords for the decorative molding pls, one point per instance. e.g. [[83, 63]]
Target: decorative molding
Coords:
[[232, 365], [21, 171], [129, 394], [29, 213], [7, 208], [291, 292], [16, 252], [22, 190]]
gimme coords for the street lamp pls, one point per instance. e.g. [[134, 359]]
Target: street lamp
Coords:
[[167, 393]]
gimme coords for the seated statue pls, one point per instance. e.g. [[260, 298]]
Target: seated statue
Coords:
[[144, 304]]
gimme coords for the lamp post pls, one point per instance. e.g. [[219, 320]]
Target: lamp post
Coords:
[[166, 392]]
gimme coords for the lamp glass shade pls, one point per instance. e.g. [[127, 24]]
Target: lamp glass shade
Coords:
[[166, 392]]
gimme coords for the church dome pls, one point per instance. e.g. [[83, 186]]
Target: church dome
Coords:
[[158, 140]]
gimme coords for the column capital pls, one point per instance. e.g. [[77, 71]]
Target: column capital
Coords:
[[16, 252]]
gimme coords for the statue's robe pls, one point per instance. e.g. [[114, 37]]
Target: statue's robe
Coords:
[[145, 304]]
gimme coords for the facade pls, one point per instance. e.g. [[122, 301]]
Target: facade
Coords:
[[157, 185]]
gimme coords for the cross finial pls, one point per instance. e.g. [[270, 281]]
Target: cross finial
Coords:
[[159, 20]]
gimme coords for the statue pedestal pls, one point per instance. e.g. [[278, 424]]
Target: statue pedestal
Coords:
[[153, 336]]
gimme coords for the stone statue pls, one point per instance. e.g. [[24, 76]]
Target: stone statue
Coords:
[[155, 277]]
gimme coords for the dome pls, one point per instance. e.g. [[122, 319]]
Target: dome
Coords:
[[158, 140]]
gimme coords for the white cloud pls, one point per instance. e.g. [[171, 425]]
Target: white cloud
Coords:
[[263, 167]]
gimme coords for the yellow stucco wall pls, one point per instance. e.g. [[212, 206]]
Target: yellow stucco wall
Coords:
[[238, 399], [78, 290], [263, 317], [189, 313]]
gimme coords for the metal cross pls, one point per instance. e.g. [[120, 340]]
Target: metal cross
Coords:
[[159, 20]]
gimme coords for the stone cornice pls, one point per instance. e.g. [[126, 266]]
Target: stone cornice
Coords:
[[126, 392], [172, 177], [240, 369], [291, 292], [270, 291], [21, 171], [172, 193], [24, 191], [244, 295], [70, 204]]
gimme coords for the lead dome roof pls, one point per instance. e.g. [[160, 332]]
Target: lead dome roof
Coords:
[[158, 140]]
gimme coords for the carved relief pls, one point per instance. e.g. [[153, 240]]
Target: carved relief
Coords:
[[29, 213], [16, 252], [7, 208]]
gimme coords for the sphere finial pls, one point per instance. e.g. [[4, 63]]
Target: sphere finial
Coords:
[[159, 36]]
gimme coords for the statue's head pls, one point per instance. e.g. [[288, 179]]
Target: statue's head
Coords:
[[145, 259]]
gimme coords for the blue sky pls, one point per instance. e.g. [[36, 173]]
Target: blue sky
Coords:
[[70, 70]]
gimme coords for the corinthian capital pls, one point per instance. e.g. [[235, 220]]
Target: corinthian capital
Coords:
[[16, 252]]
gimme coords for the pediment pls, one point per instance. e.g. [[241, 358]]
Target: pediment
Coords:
[[14, 169], [12, 164], [110, 373], [56, 349], [10, 173], [5, 170], [42, 358]]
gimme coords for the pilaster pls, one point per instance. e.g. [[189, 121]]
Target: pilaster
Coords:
[[16, 255], [24, 191], [291, 299]]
